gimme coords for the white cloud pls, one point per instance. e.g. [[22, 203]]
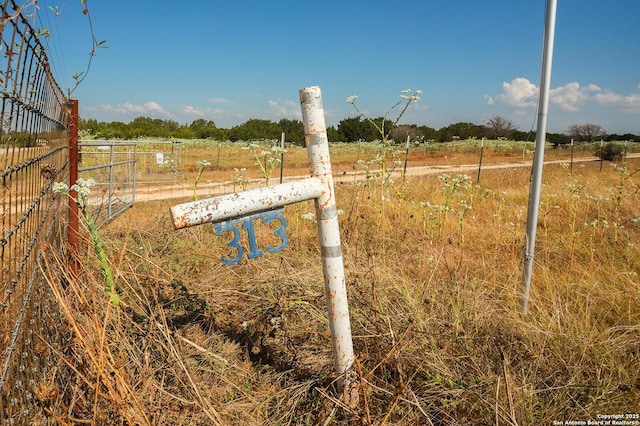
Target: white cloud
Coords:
[[572, 96], [626, 103], [218, 100], [192, 111], [283, 109], [149, 108], [188, 113], [520, 93]]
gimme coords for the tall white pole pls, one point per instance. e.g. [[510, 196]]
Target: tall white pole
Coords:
[[328, 231], [538, 158]]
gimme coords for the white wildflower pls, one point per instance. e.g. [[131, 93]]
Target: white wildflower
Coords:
[[83, 187], [351, 99], [60, 188], [308, 216]]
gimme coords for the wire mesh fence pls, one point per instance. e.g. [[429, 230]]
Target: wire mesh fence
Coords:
[[34, 154]]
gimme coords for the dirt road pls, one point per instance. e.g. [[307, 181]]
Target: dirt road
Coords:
[[206, 190]]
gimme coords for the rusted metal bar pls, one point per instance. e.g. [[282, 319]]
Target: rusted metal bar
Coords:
[[329, 234], [244, 203], [74, 221]]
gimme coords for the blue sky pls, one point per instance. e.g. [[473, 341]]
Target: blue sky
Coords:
[[229, 61]]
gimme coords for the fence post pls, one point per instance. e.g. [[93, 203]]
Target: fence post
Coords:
[[329, 235], [281, 156], [74, 222], [406, 158], [571, 164], [601, 154], [319, 187], [480, 163]]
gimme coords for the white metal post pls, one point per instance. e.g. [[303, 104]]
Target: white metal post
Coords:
[[538, 158], [319, 187], [480, 162], [244, 203], [328, 231], [281, 156]]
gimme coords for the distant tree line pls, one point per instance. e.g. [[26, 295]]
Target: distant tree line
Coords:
[[348, 130]]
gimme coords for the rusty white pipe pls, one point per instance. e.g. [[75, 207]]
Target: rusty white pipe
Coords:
[[328, 230], [245, 203]]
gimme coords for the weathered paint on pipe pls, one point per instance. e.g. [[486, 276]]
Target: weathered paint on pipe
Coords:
[[244, 203], [328, 230]]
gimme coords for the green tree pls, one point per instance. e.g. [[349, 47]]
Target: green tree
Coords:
[[334, 135], [92, 126], [293, 130], [499, 127], [466, 130], [445, 135], [255, 129], [203, 129], [115, 130], [400, 133], [518, 135], [558, 139], [185, 132], [586, 132], [356, 128], [428, 133]]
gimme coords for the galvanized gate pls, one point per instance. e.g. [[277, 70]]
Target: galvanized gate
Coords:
[[118, 167]]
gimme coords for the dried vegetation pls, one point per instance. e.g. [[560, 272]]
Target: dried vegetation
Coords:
[[433, 270]]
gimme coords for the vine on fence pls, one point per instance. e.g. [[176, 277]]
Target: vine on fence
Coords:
[[83, 188]]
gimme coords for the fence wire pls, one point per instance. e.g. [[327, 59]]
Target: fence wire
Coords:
[[33, 155]]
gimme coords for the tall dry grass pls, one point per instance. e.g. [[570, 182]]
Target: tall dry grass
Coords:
[[434, 296]]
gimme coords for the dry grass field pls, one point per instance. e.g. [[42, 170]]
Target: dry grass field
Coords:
[[433, 269]]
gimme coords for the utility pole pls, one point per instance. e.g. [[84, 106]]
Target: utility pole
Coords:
[[538, 158]]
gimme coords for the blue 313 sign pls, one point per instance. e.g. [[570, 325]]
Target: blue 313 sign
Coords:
[[247, 224]]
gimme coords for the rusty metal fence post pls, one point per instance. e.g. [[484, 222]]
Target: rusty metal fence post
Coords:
[[74, 159], [229, 208]]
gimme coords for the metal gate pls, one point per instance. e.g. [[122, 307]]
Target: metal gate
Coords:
[[118, 167], [113, 167]]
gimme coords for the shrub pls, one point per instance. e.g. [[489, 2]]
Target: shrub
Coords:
[[610, 152]]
